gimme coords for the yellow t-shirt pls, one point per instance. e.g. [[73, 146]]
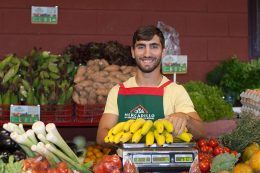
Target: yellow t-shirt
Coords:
[[175, 99]]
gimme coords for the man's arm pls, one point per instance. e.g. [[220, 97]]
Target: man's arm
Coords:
[[106, 122], [190, 120]]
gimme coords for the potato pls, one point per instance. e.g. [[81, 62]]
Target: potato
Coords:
[[85, 83], [112, 68], [90, 63], [102, 92], [75, 97], [103, 63], [97, 85]]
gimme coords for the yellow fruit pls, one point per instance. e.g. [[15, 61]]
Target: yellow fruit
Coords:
[[106, 139], [249, 151], [160, 139], [158, 124], [118, 128], [137, 125], [117, 137], [149, 138], [168, 125], [89, 153], [168, 137], [147, 126], [86, 160], [126, 137], [137, 136], [186, 137], [128, 124], [254, 161], [242, 168]]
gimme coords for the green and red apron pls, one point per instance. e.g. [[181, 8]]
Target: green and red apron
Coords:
[[141, 102]]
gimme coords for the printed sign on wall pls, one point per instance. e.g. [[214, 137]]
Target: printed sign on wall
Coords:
[[44, 15], [174, 64]]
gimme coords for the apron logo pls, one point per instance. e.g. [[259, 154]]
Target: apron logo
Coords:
[[139, 112]]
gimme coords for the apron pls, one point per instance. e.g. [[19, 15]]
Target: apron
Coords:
[[141, 102]]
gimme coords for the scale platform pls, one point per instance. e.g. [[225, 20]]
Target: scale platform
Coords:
[[175, 156]]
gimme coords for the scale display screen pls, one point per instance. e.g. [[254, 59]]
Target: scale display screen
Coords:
[[161, 158], [142, 158], [183, 158]]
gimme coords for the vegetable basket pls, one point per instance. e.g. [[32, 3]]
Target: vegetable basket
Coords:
[[4, 112], [89, 113], [57, 113]]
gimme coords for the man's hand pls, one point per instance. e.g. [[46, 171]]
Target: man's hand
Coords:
[[179, 121]]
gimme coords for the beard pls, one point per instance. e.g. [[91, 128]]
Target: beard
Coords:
[[147, 68]]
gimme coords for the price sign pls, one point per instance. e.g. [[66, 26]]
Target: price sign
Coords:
[[44, 15], [183, 158], [24, 114], [174, 64]]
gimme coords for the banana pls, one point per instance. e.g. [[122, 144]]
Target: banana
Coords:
[[118, 128], [149, 138], [168, 137], [185, 136], [111, 138], [126, 137], [160, 140], [185, 129], [106, 139], [128, 124], [110, 131], [158, 124], [137, 136], [147, 126], [117, 137], [168, 125], [137, 125]]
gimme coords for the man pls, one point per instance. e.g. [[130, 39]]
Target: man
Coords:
[[149, 94]]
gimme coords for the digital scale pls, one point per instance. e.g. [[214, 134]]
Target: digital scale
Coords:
[[169, 157]]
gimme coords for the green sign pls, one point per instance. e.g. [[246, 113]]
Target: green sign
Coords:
[[24, 114], [174, 64], [44, 15]]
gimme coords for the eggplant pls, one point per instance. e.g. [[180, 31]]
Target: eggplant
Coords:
[[8, 144], [19, 155], [5, 155]]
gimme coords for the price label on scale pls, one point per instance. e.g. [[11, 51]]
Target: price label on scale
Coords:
[[183, 158]]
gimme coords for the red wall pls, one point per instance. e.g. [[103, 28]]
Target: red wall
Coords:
[[210, 30]]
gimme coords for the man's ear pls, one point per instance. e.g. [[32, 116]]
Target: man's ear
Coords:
[[132, 52]]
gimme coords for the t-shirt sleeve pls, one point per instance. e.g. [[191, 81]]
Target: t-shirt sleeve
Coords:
[[111, 106], [183, 102]]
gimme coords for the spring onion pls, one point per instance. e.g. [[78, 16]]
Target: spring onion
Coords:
[[75, 165], [54, 137], [30, 134], [39, 128]]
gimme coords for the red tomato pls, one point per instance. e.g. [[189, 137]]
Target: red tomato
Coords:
[[217, 150], [210, 149], [226, 150], [204, 165], [202, 142], [213, 142], [234, 152], [204, 149]]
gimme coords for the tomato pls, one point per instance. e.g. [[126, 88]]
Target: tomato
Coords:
[[210, 149], [204, 165], [202, 142], [217, 150], [213, 142], [226, 150], [234, 152], [204, 149]]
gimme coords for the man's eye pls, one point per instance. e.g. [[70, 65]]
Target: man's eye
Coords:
[[140, 47], [154, 46]]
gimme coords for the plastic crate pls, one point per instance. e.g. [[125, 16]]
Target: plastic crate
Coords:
[[90, 114], [57, 113], [4, 113]]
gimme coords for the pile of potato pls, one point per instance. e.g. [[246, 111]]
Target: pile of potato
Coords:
[[93, 81]]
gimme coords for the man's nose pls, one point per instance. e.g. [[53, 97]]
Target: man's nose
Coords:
[[147, 52]]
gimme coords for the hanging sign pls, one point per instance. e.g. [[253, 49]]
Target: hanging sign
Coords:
[[24, 114], [44, 15], [174, 64]]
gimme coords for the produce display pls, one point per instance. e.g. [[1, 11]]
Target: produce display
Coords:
[[39, 78], [208, 101], [93, 81], [46, 141], [95, 153], [147, 131]]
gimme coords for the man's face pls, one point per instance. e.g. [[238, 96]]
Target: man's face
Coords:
[[148, 54]]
